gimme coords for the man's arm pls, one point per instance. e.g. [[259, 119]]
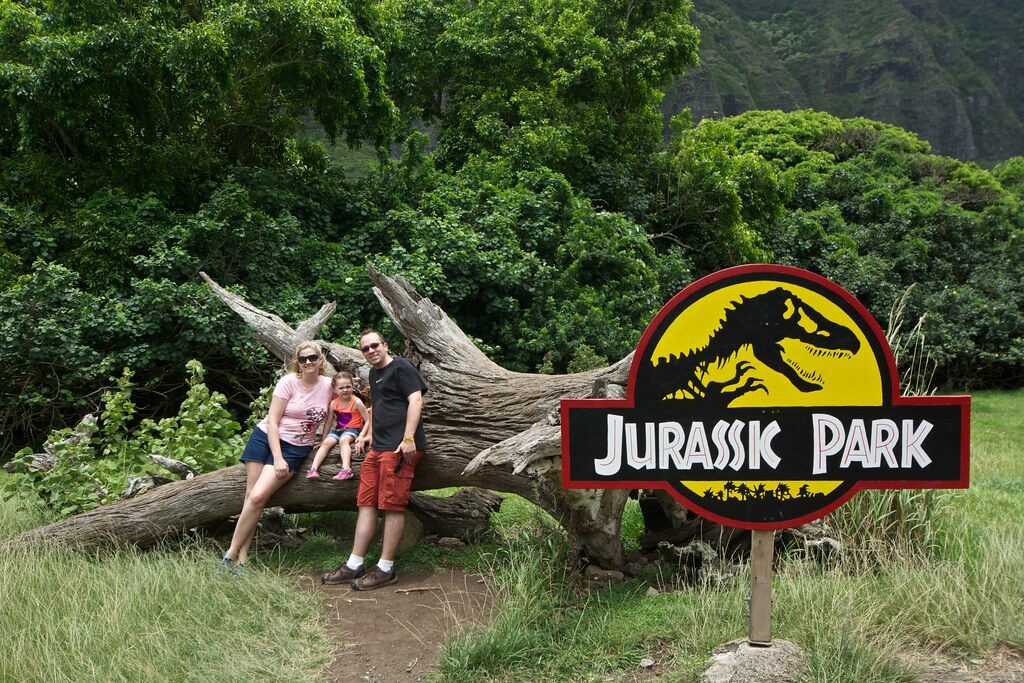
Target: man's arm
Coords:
[[412, 420]]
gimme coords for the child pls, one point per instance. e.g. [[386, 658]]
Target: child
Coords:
[[347, 420]]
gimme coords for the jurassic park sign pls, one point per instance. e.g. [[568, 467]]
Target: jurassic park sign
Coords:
[[763, 397]]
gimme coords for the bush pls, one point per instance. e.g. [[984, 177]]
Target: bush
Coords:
[[95, 470]]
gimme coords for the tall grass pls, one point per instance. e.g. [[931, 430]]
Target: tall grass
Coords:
[[129, 615], [878, 527], [545, 626], [924, 571]]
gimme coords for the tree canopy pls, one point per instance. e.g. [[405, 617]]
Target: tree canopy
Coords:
[[143, 142]]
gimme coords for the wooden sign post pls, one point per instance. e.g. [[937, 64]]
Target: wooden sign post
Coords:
[[763, 397], [762, 545]]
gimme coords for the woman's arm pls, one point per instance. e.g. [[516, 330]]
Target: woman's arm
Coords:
[[277, 406], [328, 422]]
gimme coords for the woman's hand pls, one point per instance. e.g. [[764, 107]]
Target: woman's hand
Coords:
[[281, 468]]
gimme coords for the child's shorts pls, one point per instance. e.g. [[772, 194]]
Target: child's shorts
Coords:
[[258, 450], [336, 434], [380, 486]]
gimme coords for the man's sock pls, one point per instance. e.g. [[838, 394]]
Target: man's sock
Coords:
[[386, 565], [354, 561]]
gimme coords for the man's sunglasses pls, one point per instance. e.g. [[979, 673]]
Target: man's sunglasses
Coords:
[[370, 347], [311, 358]]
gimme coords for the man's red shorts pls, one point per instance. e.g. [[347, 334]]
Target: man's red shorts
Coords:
[[380, 486]]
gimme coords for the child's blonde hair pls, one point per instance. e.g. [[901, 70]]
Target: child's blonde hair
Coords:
[[352, 380]]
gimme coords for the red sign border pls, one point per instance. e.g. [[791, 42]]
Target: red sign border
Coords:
[[896, 399]]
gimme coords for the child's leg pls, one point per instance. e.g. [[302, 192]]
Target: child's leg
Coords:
[[346, 452], [321, 453]]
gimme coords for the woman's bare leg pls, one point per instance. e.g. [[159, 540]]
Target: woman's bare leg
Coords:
[[265, 486]]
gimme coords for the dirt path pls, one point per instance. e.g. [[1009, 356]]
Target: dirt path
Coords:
[[393, 634], [1004, 665]]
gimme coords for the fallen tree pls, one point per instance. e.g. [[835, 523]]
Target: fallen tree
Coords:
[[487, 427]]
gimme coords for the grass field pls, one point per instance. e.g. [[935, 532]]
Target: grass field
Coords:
[[954, 582]]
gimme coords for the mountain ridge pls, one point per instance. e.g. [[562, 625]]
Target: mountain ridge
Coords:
[[951, 73]]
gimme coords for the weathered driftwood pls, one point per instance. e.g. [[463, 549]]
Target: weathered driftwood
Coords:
[[480, 424], [47, 460], [182, 469], [487, 427], [463, 515]]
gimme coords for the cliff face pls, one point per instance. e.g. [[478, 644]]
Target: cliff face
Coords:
[[953, 72]]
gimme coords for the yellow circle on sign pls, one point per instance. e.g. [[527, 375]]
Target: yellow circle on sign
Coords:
[[842, 377]]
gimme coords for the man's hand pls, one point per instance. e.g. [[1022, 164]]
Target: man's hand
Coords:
[[407, 447], [361, 443]]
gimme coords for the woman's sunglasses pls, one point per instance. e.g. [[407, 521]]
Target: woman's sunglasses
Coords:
[[311, 358]]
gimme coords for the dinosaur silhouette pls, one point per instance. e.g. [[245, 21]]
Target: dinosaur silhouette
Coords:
[[761, 323]]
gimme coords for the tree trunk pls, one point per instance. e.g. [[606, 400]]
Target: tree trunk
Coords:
[[486, 427], [463, 515]]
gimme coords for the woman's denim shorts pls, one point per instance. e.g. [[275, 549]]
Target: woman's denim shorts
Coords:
[[258, 450]]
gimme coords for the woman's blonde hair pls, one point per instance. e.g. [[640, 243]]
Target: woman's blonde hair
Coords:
[[307, 345]]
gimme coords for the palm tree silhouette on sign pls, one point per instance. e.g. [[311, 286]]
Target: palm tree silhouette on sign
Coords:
[[743, 490], [729, 488], [782, 491]]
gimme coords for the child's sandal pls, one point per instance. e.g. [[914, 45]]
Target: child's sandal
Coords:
[[344, 474], [312, 473]]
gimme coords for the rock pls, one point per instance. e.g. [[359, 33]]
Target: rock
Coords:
[[633, 569], [740, 662], [598, 575], [412, 533], [272, 521], [637, 557], [450, 542], [647, 663], [652, 591]]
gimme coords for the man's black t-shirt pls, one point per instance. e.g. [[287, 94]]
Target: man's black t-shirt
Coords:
[[390, 388]]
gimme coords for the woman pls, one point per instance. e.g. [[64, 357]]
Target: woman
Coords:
[[280, 443]]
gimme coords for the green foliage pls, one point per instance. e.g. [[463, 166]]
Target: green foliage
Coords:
[[522, 261], [570, 85], [866, 205], [141, 144], [203, 434], [151, 94], [1010, 175], [89, 471], [713, 199], [584, 358], [95, 468]]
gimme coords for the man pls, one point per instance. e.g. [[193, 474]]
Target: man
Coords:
[[397, 443]]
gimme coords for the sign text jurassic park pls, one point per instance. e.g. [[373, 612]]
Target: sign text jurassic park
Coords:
[[763, 397]]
